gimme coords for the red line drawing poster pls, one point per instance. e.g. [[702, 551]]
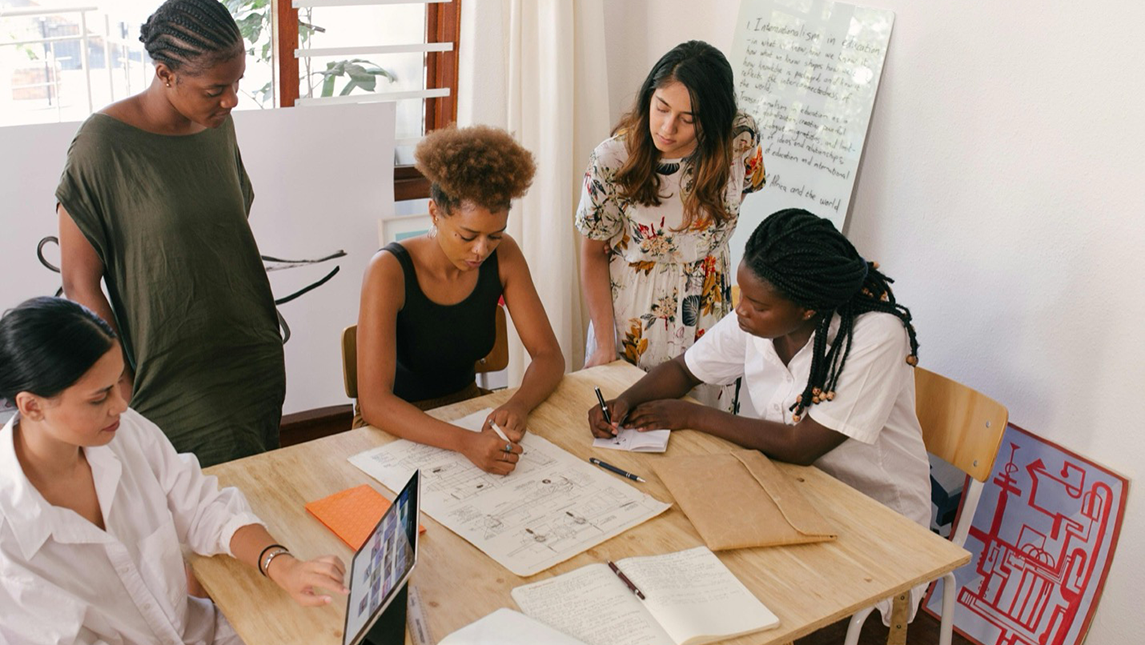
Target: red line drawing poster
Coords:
[[1042, 541]]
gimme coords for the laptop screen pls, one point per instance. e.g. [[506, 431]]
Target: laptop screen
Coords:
[[384, 563]]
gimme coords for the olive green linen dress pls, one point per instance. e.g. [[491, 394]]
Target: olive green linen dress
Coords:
[[167, 215]]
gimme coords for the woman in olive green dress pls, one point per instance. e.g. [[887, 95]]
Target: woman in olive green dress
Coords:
[[154, 202]]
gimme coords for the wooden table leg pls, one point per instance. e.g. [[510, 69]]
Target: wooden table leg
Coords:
[[900, 610]]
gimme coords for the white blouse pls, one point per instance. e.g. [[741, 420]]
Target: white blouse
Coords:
[[64, 580], [883, 456]]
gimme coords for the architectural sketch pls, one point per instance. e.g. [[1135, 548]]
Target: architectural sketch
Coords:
[[550, 508], [1042, 541]]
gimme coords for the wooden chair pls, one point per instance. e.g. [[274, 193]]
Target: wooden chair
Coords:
[[964, 428], [496, 360]]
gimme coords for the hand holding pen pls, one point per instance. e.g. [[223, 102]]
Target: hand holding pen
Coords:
[[509, 421], [604, 419]]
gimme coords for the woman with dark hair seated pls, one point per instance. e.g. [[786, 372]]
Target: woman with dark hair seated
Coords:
[[95, 502]]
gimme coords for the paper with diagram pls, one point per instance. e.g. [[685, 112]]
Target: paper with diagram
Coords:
[[550, 508]]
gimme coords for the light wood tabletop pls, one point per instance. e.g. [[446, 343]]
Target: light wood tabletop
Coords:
[[878, 553]]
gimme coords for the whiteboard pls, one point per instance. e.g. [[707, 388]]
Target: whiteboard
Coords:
[[808, 71], [322, 179]]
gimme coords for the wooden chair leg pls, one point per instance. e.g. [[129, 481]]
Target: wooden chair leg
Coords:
[[900, 611]]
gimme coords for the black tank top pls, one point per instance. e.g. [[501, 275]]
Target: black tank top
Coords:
[[437, 345]]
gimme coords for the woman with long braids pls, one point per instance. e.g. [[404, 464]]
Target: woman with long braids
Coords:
[[661, 199], [826, 356], [154, 202]]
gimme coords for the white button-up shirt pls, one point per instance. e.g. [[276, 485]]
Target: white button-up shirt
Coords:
[[64, 580], [883, 456]]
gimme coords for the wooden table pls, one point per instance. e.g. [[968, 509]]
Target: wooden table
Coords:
[[878, 554]]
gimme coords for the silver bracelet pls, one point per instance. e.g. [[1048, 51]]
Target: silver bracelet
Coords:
[[269, 558]]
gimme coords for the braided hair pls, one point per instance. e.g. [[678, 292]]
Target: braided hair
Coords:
[[191, 33], [813, 265]]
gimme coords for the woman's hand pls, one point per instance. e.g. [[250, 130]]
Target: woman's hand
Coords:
[[488, 452], [510, 420], [303, 580], [671, 414], [617, 411]]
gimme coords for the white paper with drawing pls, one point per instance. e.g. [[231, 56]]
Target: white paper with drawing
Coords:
[[550, 508], [808, 72], [633, 440], [690, 598]]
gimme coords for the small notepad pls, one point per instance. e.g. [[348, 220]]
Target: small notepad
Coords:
[[352, 514], [633, 440]]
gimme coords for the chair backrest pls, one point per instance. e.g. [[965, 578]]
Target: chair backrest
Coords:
[[959, 425], [496, 360], [350, 360]]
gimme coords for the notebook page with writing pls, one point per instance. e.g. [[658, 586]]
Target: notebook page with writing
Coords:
[[695, 598], [592, 604]]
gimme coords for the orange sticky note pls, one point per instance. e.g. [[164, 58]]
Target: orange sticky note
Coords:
[[352, 514]]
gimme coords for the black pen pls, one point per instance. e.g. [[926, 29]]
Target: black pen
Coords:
[[607, 466], [603, 406], [627, 582]]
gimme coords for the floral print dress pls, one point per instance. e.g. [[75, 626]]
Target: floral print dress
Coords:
[[669, 286]]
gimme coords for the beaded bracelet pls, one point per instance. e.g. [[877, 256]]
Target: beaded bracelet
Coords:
[[258, 562]]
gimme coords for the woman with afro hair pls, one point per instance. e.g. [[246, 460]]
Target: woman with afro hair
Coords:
[[428, 306]]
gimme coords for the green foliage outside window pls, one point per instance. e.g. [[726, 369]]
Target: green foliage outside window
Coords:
[[254, 20]]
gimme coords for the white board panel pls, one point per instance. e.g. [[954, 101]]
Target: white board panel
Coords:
[[808, 71], [322, 179]]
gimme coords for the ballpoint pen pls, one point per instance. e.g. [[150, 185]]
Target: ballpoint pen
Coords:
[[603, 406], [607, 466], [625, 580]]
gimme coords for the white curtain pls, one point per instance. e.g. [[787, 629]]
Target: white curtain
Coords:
[[537, 69]]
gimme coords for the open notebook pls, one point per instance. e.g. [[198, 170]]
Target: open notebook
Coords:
[[690, 598]]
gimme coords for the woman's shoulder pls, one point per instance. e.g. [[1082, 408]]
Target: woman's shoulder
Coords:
[[387, 263], [744, 130], [743, 121], [877, 327], [613, 151], [94, 136]]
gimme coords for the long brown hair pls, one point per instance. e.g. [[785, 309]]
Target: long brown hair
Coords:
[[705, 71]]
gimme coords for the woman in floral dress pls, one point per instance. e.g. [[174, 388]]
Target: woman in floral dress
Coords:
[[661, 199]]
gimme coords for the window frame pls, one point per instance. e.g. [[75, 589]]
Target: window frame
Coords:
[[442, 25]]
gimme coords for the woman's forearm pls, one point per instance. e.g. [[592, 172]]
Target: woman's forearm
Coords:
[[541, 378], [391, 414], [596, 282]]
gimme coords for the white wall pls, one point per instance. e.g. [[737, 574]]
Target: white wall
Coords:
[[1003, 185], [330, 195]]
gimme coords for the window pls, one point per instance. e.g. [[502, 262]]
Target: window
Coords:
[[333, 50], [61, 63]]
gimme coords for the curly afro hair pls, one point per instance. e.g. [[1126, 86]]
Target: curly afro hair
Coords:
[[478, 164]]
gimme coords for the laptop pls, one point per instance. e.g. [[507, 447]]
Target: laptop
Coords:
[[381, 568]]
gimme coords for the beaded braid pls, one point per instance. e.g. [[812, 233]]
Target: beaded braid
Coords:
[[181, 32], [814, 266]]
